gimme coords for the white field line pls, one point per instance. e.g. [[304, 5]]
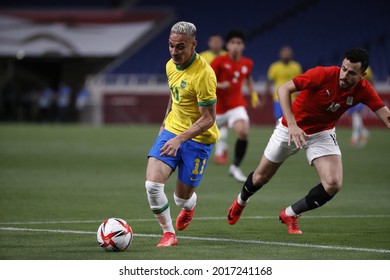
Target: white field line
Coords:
[[200, 218], [227, 240]]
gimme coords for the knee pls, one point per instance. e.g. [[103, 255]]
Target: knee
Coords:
[[332, 185], [154, 188], [242, 130]]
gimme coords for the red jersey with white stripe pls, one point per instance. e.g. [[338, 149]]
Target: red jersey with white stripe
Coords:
[[321, 101], [235, 72]]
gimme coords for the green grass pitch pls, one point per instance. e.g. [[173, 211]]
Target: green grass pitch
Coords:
[[58, 183]]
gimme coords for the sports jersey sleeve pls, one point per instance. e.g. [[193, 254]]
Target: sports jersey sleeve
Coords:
[[371, 97], [206, 94], [310, 79]]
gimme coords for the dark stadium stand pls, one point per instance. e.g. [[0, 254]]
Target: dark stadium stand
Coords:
[[318, 30]]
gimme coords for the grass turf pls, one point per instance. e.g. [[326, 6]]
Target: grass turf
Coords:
[[58, 183]]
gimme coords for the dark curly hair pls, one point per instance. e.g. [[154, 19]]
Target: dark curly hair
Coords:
[[358, 55], [235, 33]]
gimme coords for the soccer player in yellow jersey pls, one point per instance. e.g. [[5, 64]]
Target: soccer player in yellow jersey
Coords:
[[279, 73], [215, 44], [187, 135]]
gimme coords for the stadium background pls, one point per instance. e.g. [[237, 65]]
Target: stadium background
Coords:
[[59, 182], [128, 85]]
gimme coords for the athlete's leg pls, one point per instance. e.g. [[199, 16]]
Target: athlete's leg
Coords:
[[330, 171], [356, 127], [255, 181], [185, 197], [221, 147], [241, 128], [157, 173], [190, 173]]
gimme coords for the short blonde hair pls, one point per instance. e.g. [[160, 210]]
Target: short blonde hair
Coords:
[[184, 27]]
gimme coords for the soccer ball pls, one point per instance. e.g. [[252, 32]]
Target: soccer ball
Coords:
[[114, 234]]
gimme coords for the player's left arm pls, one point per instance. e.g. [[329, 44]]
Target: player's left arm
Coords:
[[251, 87], [384, 114], [206, 121]]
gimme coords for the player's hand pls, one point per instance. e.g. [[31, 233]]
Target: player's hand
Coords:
[[254, 99], [297, 135], [171, 147]]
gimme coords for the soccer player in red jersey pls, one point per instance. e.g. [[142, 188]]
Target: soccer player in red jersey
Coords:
[[309, 123], [232, 70]]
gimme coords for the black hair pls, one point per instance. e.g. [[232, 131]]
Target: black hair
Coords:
[[358, 55], [235, 33]]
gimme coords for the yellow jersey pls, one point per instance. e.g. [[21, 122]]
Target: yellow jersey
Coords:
[[209, 55], [192, 86], [280, 73]]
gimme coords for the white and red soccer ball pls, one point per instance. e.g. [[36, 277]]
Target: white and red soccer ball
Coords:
[[114, 234]]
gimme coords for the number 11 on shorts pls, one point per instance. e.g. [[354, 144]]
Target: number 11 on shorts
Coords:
[[196, 168]]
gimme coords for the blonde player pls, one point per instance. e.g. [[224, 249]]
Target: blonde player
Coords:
[[187, 135]]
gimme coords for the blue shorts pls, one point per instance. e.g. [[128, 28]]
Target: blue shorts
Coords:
[[357, 108], [278, 113], [191, 158]]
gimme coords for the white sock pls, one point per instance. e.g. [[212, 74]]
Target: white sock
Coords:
[[240, 201], [158, 203], [165, 221], [187, 204], [290, 212]]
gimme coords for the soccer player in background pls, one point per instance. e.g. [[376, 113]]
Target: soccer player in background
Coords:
[[187, 135], [232, 69], [309, 123], [359, 131], [215, 44], [280, 72]]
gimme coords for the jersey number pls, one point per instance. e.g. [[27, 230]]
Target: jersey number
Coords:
[[175, 93], [333, 107], [198, 170]]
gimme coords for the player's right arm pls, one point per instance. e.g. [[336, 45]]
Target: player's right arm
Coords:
[[206, 121], [169, 108], [296, 134], [384, 114]]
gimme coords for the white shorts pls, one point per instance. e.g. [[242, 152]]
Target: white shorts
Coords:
[[317, 145], [231, 116]]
